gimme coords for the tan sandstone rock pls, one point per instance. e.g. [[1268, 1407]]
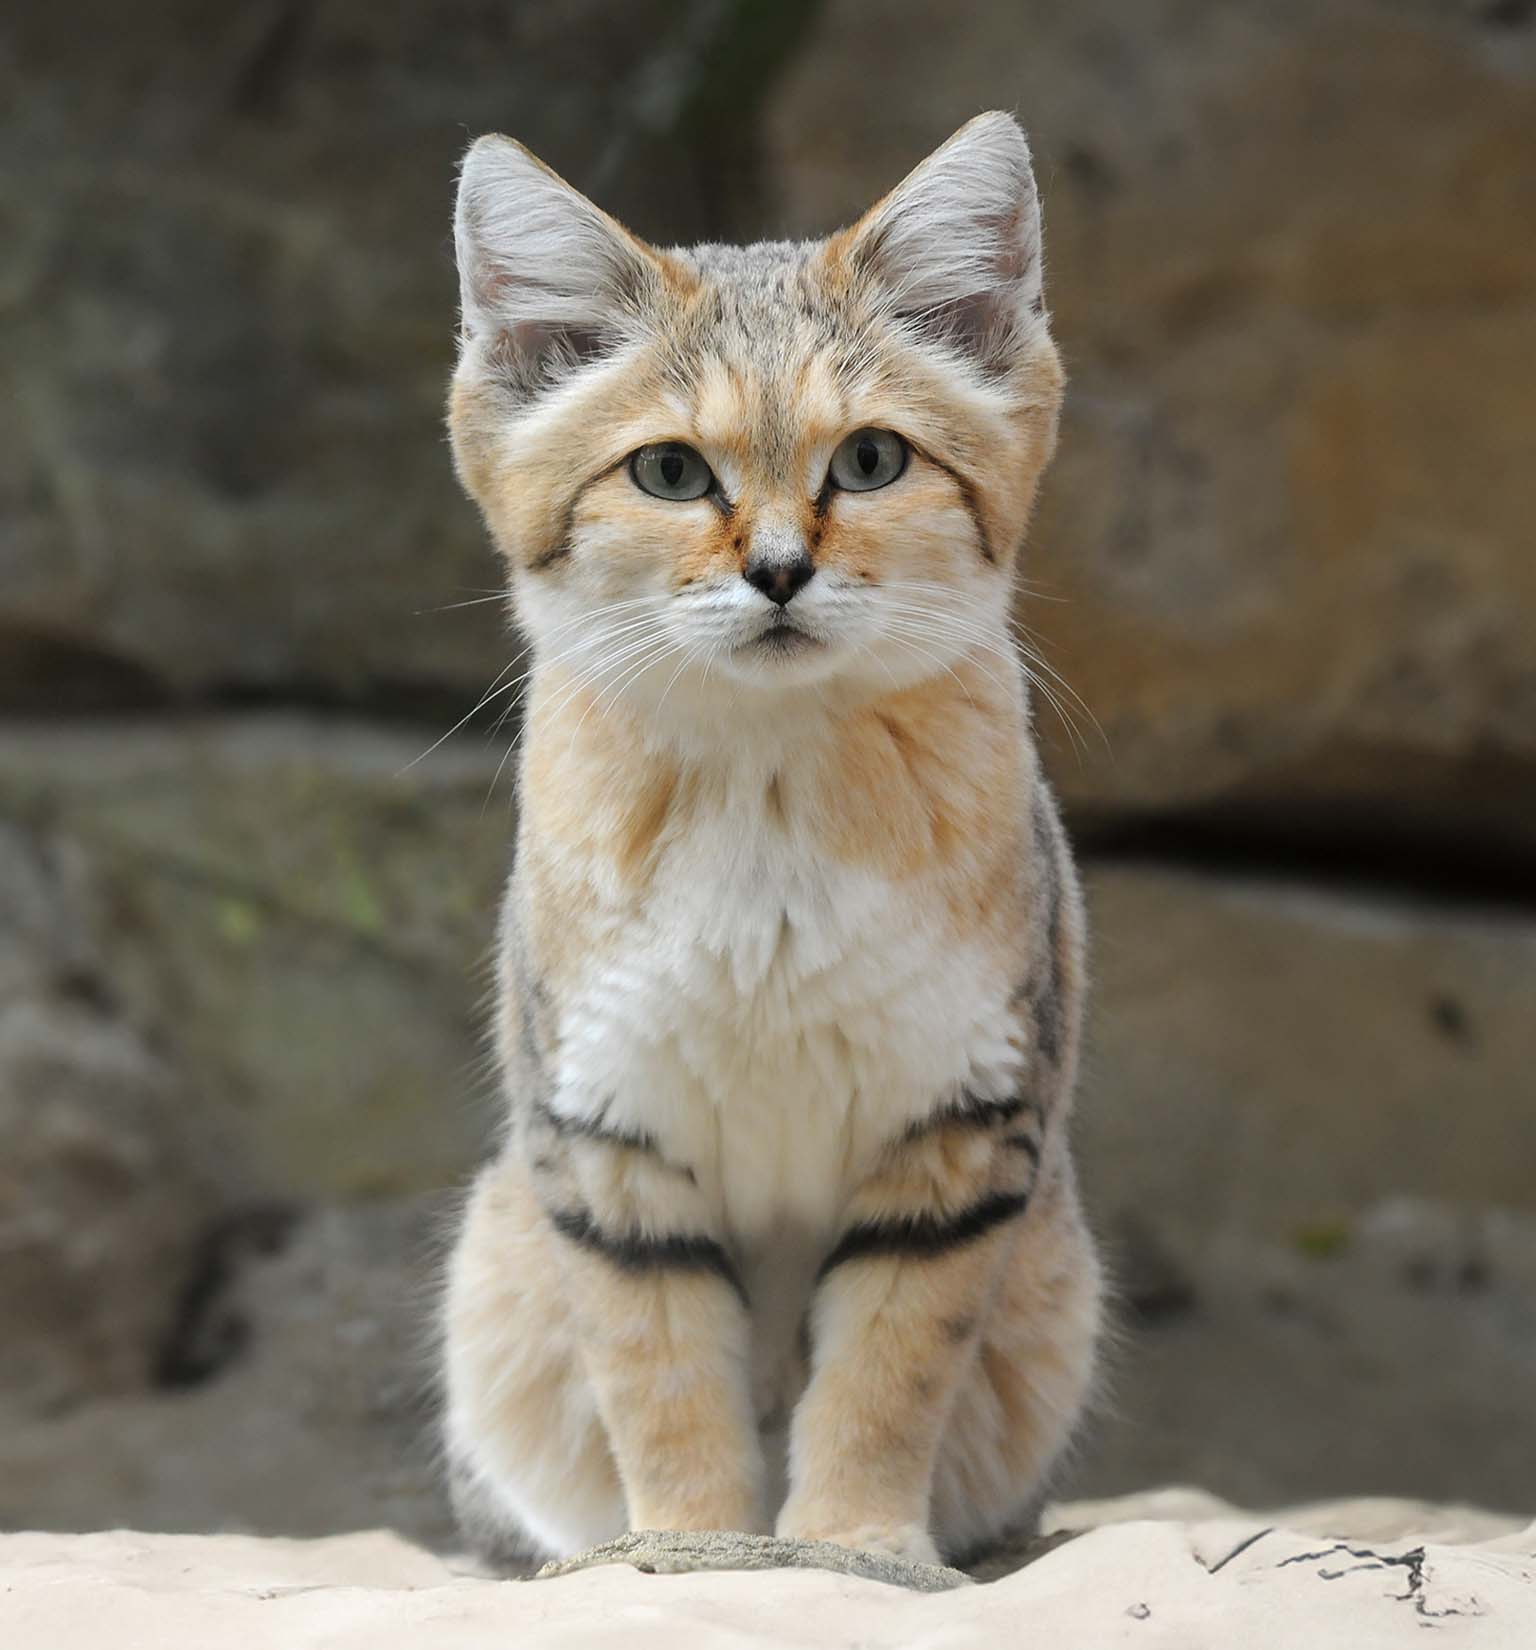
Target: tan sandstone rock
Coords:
[[1264, 1055], [302, 917], [282, 918], [107, 1179], [1291, 271], [1292, 274], [227, 308]]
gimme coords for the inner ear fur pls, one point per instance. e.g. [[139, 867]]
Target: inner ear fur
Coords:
[[548, 281], [955, 247]]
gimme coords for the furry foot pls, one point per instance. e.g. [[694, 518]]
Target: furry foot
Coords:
[[909, 1541]]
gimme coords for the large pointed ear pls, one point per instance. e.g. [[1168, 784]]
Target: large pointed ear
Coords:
[[956, 244], [546, 279]]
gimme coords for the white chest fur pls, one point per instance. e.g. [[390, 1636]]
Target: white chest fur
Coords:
[[772, 1016]]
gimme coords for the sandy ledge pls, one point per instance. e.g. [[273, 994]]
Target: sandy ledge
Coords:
[[1173, 1568]]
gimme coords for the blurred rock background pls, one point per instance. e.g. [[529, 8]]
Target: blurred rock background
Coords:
[[1285, 559]]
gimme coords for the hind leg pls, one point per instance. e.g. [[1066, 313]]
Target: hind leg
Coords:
[[531, 1472], [1032, 1376]]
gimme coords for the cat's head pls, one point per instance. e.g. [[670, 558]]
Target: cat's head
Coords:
[[779, 466]]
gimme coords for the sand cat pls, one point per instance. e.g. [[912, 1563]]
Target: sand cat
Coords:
[[784, 1233]]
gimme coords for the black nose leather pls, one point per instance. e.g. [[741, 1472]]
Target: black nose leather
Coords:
[[779, 579]]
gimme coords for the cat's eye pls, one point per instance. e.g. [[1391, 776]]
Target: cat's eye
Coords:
[[868, 459], [671, 469]]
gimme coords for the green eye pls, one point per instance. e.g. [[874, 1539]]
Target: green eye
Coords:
[[672, 470], [868, 459]]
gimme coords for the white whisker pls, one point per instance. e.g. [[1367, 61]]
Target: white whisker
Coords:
[[451, 607], [583, 680], [1025, 651], [496, 689]]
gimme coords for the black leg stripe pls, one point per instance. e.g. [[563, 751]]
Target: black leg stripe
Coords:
[[677, 1251], [925, 1234], [592, 1128], [1025, 1143], [970, 1111]]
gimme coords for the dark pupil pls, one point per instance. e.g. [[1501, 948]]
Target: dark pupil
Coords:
[[868, 455], [672, 467]]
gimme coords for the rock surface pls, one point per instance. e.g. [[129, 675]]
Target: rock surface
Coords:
[[1395, 1350], [678, 1552], [302, 1400], [1324, 1579], [298, 917], [1290, 266], [105, 1181], [1264, 1054], [297, 913], [241, 944], [237, 963], [228, 316], [305, 1381]]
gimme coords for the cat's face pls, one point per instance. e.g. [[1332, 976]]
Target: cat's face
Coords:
[[772, 467]]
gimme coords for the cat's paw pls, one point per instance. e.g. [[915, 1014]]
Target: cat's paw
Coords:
[[909, 1541]]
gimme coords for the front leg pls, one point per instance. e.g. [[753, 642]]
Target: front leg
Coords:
[[661, 1317], [899, 1303]]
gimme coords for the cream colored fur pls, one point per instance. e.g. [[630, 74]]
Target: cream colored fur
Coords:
[[784, 1233]]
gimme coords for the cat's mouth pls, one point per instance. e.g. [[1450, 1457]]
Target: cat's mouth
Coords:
[[781, 639]]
